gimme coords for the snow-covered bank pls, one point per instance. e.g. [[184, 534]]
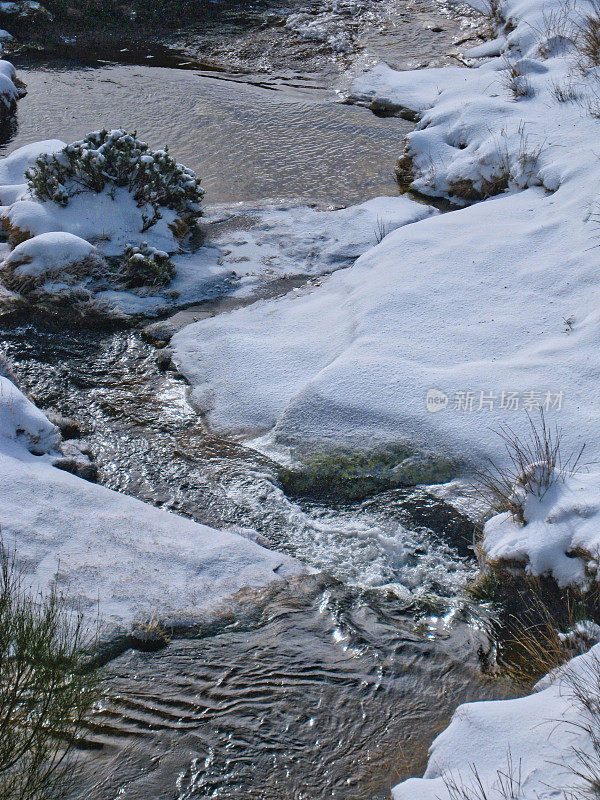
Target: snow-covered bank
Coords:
[[478, 314], [560, 535], [115, 555], [530, 748]]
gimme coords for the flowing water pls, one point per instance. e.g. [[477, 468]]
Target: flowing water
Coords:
[[332, 686]]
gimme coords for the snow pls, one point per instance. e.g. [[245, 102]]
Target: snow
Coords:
[[531, 741], [22, 422], [48, 254], [494, 301], [414, 90], [14, 165], [111, 219], [278, 240], [560, 527], [114, 555], [249, 245]]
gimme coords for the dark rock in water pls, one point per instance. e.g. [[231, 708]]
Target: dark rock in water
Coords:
[[87, 471], [68, 427], [385, 108], [77, 459], [163, 359]]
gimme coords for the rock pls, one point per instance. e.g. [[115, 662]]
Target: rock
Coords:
[[68, 427], [385, 108], [76, 458], [163, 359]]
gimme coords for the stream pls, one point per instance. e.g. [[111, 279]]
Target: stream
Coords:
[[334, 685]]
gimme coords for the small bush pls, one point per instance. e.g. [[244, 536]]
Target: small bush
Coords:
[[144, 266], [46, 689], [118, 159], [536, 626]]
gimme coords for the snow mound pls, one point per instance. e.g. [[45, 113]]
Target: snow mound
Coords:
[[412, 90], [22, 422], [561, 534], [531, 742], [49, 255]]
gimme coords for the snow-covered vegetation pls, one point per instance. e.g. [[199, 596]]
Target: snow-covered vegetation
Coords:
[[112, 159], [101, 214], [133, 262]]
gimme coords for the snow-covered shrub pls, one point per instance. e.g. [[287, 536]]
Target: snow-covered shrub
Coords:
[[146, 266], [118, 159]]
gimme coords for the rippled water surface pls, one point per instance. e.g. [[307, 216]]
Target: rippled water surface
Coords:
[[333, 686], [276, 129], [246, 142], [321, 697]]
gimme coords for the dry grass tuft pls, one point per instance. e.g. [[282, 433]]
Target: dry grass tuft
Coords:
[[515, 81], [506, 786], [564, 92], [382, 229], [535, 464], [588, 37]]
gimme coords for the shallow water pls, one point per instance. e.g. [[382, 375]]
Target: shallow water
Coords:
[[333, 686], [322, 696], [276, 129], [246, 142]]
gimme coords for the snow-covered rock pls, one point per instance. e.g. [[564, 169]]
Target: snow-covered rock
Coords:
[[22, 422], [412, 90], [59, 257], [9, 92]]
